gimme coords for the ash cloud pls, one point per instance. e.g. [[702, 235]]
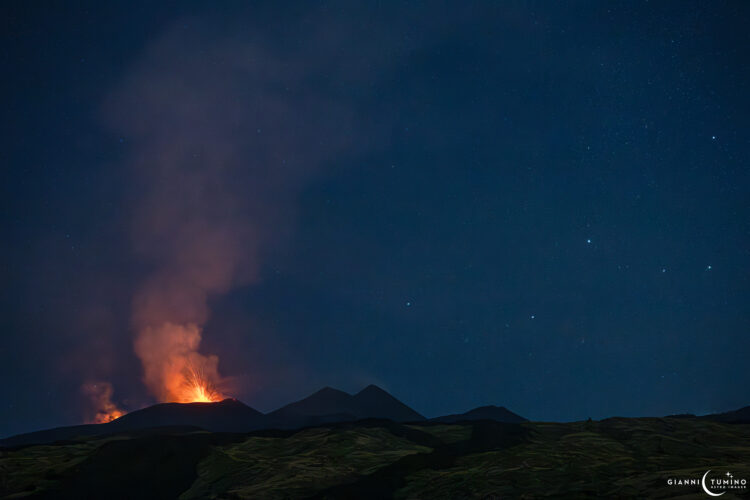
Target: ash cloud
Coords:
[[223, 133]]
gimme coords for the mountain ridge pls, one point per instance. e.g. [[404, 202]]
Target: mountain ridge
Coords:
[[325, 406], [488, 412]]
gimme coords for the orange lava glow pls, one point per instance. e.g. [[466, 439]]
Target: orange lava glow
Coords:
[[103, 416], [175, 371], [196, 388], [101, 407]]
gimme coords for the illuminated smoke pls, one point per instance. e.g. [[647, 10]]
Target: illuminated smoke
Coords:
[[174, 369], [103, 410], [221, 135]]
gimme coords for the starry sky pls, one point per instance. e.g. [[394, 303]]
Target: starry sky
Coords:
[[526, 204]]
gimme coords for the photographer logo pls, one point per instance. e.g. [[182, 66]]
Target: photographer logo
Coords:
[[715, 485]]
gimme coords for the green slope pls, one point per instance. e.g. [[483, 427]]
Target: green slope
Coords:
[[613, 458]]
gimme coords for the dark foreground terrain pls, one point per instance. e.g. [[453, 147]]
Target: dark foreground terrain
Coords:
[[613, 458]]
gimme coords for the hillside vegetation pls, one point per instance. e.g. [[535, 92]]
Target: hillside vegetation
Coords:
[[618, 457]]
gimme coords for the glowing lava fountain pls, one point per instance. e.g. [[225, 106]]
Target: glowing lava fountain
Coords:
[[196, 388]]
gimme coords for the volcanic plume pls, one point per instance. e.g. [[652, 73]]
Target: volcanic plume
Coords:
[[217, 152], [100, 397], [174, 369]]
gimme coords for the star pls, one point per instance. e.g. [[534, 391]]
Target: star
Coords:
[[588, 241], [533, 316], [664, 269], [408, 304], [713, 137], [708, 267]]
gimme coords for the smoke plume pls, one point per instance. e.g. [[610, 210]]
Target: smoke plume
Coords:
[[102, 409], [222, 133]]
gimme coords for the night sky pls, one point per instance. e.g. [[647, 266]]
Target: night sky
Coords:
[[537, 205]]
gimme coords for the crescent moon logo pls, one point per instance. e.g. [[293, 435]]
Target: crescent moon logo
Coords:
[[705, 488]]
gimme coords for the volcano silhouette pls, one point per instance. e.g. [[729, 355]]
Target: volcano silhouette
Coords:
[[332, 405], [496, 413], [326, 406], [231, 415]]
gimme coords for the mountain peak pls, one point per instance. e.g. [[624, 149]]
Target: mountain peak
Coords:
[[227, 415], [377, 402], [372, 388], [325, 401], [327, 390], [489, 412], [370, 402], [489, 407]]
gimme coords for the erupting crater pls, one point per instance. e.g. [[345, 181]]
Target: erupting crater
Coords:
[[196, 388]]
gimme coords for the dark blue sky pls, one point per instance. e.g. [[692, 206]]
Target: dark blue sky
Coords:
[[538, 206]]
